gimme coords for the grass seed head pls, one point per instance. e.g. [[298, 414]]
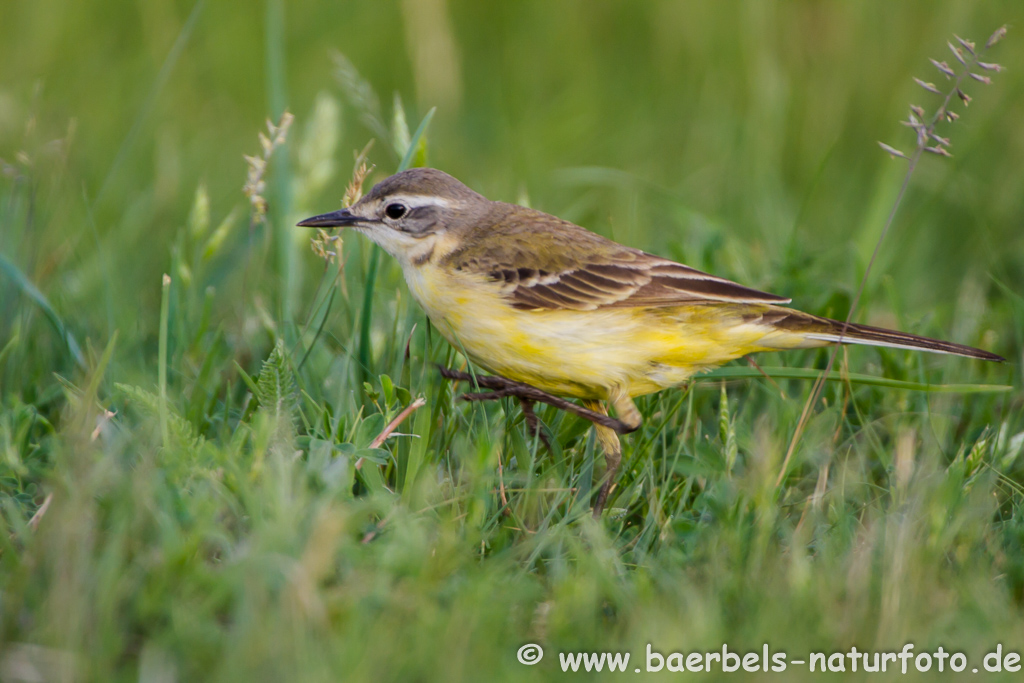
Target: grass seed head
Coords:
[[255, 186], [325, 245], [957, 52], [354, 190], [892, 151], [967, 44], [924, 127], [944, 67], [996, 37]]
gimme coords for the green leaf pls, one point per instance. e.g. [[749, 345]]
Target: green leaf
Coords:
[[339, 474], [417, 453], [371, 477], [276, 389], [389, 389], [249, 381], [219, 236], [378, 456], [418, 139], [368, 429], [399, 128], [199, 216], [727, 430], [180, 430], [348, 449]]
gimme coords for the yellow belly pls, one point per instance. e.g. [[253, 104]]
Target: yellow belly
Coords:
[[582, 354]]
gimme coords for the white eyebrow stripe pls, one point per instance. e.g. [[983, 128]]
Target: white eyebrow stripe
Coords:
[[417, 200]]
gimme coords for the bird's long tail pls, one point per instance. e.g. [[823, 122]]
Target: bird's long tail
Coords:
[[794, 329]]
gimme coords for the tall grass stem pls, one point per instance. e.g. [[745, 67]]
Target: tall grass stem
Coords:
[[922, 143], [365, 355], [281, 179], [165, 306]]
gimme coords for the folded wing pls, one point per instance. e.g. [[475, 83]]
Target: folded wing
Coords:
[[545, 263], [641, 281]]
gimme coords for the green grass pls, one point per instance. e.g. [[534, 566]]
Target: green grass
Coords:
[[179, 485]]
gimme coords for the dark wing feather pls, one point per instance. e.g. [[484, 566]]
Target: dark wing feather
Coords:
[[672, 283], [545, 263]]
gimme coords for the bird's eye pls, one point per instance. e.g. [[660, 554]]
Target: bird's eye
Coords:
[[395, 211]]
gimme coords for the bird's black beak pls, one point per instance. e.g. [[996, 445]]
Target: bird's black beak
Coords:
[[335, 219]]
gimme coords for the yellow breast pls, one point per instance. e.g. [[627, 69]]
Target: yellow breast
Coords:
[[582, 354]]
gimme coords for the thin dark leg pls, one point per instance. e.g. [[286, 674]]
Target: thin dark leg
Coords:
[[502, 387], [612, 448], [533, 423], [607, 428]]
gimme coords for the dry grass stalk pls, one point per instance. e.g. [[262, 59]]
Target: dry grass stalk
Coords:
[[255, 185], [969, 58], [324, 244]]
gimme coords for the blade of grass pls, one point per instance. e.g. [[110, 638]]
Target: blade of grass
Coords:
[[165, 305], [26, 287], [414, 142], [249, 381], [104, 260], [9, 346], [158, 84], [854, 378], [84, 418], [319, 329], [281, 179], [365, 360], [92, 388]]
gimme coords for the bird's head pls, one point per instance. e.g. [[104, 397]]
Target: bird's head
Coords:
[[402, 212]]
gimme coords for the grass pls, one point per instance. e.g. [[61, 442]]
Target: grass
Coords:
[[192, 479]]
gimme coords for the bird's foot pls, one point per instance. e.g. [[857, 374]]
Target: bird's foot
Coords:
[[612, 448], [502, 387]]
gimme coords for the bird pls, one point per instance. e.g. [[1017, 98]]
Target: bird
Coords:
[[553, 309]]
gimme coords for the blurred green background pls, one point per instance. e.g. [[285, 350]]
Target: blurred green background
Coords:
[[740, 137], [754, 122]]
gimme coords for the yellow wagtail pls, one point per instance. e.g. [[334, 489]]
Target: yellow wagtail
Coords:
[[546, 303]]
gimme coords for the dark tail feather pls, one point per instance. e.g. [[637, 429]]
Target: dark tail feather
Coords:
[[852, 333], [796, 329]]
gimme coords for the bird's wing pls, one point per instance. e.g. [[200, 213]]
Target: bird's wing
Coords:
[[545, 263], [644, 282]]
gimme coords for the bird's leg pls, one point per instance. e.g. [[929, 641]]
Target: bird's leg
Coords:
[[533, 423], [609, 441], [607, 428], [502, 387], [628, 414], [625, 409]]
